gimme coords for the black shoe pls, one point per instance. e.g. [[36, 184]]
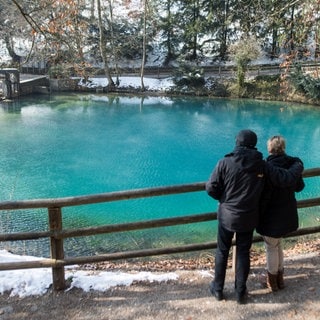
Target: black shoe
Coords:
[[218, 294], [242, 298]]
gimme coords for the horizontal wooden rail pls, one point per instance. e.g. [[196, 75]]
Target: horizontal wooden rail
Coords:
[[130, 226], [57, 234], [116, 196], [102, 197], [81, 232], [45, 263], [306, 203], [309, 173], [20, 236], [157, 223], [111, 228]]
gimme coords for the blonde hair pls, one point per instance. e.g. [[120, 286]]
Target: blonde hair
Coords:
[[276, 145]]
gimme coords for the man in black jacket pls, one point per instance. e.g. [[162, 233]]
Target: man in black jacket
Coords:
[[237, 183]]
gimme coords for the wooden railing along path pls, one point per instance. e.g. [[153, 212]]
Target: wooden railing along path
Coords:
[[164, 72], [57, 234]]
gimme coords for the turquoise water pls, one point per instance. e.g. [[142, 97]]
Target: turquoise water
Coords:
[[68, 145]]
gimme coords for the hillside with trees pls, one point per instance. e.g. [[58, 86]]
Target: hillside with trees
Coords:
[[70, 37]]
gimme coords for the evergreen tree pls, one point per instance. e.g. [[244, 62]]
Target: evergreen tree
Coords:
[[219, 25], [192, 23], [274, 28], [170, 33]]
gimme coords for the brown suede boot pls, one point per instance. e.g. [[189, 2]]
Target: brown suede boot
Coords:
[[272, 282], [280, 281]]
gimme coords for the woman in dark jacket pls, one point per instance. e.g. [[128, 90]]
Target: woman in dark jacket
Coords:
[[279, 214]]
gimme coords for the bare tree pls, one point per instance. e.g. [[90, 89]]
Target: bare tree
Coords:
[[103, 46], [112, 37], [144, 42], [58, 30], [244, 51]]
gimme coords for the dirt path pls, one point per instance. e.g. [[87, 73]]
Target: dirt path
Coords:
[[186, 298]]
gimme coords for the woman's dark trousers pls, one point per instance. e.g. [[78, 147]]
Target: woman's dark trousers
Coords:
[[243, 245]]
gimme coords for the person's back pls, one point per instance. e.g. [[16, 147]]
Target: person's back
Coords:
[[279, 214], [279, 208], [241, 179], [237, 182]]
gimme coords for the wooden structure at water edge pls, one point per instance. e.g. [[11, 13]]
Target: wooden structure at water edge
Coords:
[[10, 79], [11, 85]]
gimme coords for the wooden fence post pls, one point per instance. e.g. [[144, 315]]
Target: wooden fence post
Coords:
[[56, 245]]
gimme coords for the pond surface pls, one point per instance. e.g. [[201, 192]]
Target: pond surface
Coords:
[[69, 145]]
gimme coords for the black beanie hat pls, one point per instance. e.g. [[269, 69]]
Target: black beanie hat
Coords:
[[246, 138]]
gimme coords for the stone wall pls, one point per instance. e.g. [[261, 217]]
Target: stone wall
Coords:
[[34, 85], [45, 85], [59, 85]]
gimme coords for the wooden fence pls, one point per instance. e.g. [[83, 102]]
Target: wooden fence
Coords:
[[57, 234], [163, 72]]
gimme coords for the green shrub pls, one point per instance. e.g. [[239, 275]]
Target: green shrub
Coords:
[[305, 83], [268, 78], [189, 76]]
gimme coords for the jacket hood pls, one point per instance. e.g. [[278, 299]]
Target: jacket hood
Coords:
[[246, 158], [283, 160]]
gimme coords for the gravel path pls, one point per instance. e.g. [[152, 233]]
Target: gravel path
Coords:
[[186, 298]]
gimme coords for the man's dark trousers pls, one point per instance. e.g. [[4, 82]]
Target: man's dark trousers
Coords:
[[243, 245]]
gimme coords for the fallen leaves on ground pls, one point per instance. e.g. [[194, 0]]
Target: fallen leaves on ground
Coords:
[[203, 262]]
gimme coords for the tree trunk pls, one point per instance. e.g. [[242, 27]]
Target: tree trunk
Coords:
[[274, 48], [224, 32], [103, 46], [112, 41], [143, 62], [292, 36], [9, 45]]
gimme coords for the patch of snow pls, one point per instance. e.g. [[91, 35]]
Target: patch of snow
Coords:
[[28, 282]]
